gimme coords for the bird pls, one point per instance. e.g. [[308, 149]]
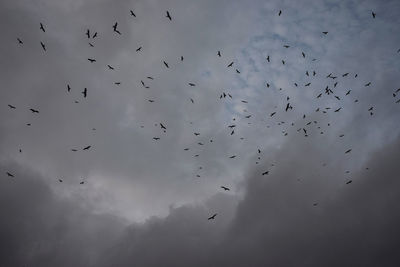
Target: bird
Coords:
[[11, 106], [283, 62], [237, 71], [162, 126], [110, 67], [325, 33], [43, 46], [280, 12], [348, 92], [86, 147], [84, 92], [272, 114], [10, 174], [166, 64], [91, 45], [232, 157], [168, 16], [132, 14], [94, 35], [219, 53], [68, 88], [349, 182], [60, 180], [337, 110], [212, 217], [225, 188], [138, 49], [88, 33], [34, 110], [265, 173], [347, 151], [42, 27], [82, 182], [230, 64], [150, 78], [181, 58], [286, 46], [368, 84], [156, 138], [19, 41], [304, 55], [92, 60], [268, 59], [373, 14], [115, 28], [192, 84]]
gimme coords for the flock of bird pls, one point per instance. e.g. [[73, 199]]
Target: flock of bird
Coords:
[[328, 91]]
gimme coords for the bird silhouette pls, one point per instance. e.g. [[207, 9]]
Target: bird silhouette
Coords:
[[138, 49], [92, 60], [280, 12], [168, 16], [225, 188], [166, 64], [84, 92], [9, 174], [132, 14], [212, 217], [11, 106], [373, 14], [19, 41], [88, 33], [219, 53], [42, 27], [230, 64], [347, 151], [43, 46], [86, 147], [34, 110]]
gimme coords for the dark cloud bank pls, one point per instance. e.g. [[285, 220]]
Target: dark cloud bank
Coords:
[[275, 224]]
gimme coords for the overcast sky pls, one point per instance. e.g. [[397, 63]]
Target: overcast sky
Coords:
[[296, 197]]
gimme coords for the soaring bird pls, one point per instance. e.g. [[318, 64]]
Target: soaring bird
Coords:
[[347, 151], [34, 110], [272, 114], [156, 138], [92, 60], [132, 14], [192, 84], [268, 59], [225, 188], [60, 180], [212, 217], [162, 126], [115, 28], [42, 27], [349, 182], [286, 46], [82, 182], [230, 64], [232, 157], [84, 92], [43, 46], [138, 49], [181, 58], [166, 64], [88, 33], [219, 53], [86, 147], [19, 41], [94, 35], [10, 174], [280, 12], [168, 16], [11, 106], [373, 14], [304, 55], [325, 33], [265, 173], [110, 67]]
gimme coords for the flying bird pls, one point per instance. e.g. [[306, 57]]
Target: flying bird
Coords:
[[219, 53], [166, 64], [19, 41], [9, 174], [132, 14], [42, 27], [349, 182], [192, 84], [168, 16], [138, 49], [88, 33], [86, 147], [347, 151], [225, 188], [212, 217], [280, 12], [43, 46], [162, 126], [34, 110], [373, 14], [230, 64], [325, 33], [11, 106], [92, 60], [84, 92]]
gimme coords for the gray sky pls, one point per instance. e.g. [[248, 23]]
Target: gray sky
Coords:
[[145, 202]]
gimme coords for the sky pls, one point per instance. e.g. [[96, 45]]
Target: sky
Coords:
[[303, 129]]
